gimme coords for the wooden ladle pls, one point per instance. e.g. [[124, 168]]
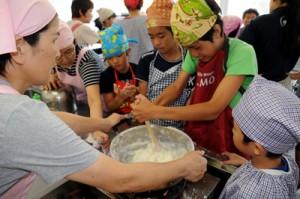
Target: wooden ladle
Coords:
[[151, 133]]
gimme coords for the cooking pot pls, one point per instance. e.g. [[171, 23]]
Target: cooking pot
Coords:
[[59, 100], [125, 144]]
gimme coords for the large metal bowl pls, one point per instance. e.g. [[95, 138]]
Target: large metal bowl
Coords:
[[125, 144]]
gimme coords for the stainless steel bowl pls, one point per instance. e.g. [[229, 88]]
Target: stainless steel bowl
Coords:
[[59, 100], [125, 144]]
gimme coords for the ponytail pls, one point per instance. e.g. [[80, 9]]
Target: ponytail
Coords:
[[291, 33]]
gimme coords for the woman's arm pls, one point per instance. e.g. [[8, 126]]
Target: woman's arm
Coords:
[[114, 176], [94, 100], [210, 110], [82, 125]]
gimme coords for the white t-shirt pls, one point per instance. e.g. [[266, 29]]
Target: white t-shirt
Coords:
[[83, 35]]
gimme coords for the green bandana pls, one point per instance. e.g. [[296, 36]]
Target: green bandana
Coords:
[[190, 20]]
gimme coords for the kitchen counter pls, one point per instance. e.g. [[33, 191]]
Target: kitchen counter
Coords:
[[205, 188]]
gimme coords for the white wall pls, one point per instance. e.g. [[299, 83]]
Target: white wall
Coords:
[[232, 7]]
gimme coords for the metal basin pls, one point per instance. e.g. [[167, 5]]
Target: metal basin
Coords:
[[125, 145]]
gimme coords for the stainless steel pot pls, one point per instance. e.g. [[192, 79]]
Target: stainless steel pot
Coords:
[[125, 144], [60, 100]]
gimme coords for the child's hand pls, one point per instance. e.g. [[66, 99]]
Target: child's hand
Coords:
[[129, 90], [234, 159]]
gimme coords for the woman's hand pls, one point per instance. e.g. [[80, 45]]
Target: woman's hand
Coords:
[[234, 159], [142, 108], [103, 138], [53, 83], [114, 119], [195, 165]]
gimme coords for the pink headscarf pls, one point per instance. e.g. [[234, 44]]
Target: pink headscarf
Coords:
[[66, 37], [231, 23], [22, 18]]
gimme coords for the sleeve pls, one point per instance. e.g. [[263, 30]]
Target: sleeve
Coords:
[[248, 34], [190, 64], [142, 71], [241, 59], [88, 36], [89, 70], [107, 81], [44, 144]]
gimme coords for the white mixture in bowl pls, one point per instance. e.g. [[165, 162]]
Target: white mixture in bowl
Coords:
[[157, 153]]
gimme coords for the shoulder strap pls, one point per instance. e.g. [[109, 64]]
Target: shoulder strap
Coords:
[[75, 26], [80, 55]]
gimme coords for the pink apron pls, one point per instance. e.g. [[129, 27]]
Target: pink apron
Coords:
[[214, 135], [20, 189], [75, 81], [125, 106]]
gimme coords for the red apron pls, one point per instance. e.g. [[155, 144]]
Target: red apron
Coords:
[[214, 135], [125, 106], [20, 189]]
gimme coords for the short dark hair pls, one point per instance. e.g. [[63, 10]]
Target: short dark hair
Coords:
[[249, 11], [32, 40], [270, 155], [217, 10], [80, 5]]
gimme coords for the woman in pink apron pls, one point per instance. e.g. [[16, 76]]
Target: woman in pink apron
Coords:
[[118, 83], [80, 68], [34, 140], [223, 66]]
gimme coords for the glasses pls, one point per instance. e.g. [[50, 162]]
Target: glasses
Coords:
[[66, 53]]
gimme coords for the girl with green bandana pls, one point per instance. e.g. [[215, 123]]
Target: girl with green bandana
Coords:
[[223, 66]]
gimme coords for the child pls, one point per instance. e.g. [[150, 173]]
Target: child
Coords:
[[159, 68], [118, 83], [231, 25], [223, 65], [248, 16], [106, 17], [267, 124], [134, 26]]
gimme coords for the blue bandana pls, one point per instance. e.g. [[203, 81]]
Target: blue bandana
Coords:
[[114, 41]]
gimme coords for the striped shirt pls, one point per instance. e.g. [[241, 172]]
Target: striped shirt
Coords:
[[89, 70]]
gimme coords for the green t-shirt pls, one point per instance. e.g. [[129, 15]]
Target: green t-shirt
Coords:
[[241, 61]]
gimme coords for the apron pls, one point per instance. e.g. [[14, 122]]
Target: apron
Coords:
[[214, 135], [75, 81], [125, 106], [19, 189], [158, 81]]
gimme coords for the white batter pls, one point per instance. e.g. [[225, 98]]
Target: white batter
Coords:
[[157, 153]]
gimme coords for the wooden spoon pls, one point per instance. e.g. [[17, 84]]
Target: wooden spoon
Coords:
[[151, 133]]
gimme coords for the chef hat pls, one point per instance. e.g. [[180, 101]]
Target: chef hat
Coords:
[[66, 37], [159, 13], [190, 20], [22, 18], [231, 23], [114, 41], [132, 4], [104, 13], [269, 114]]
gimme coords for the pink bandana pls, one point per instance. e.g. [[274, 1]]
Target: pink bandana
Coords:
[[22, 18], [66, 37], [231, 23]]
